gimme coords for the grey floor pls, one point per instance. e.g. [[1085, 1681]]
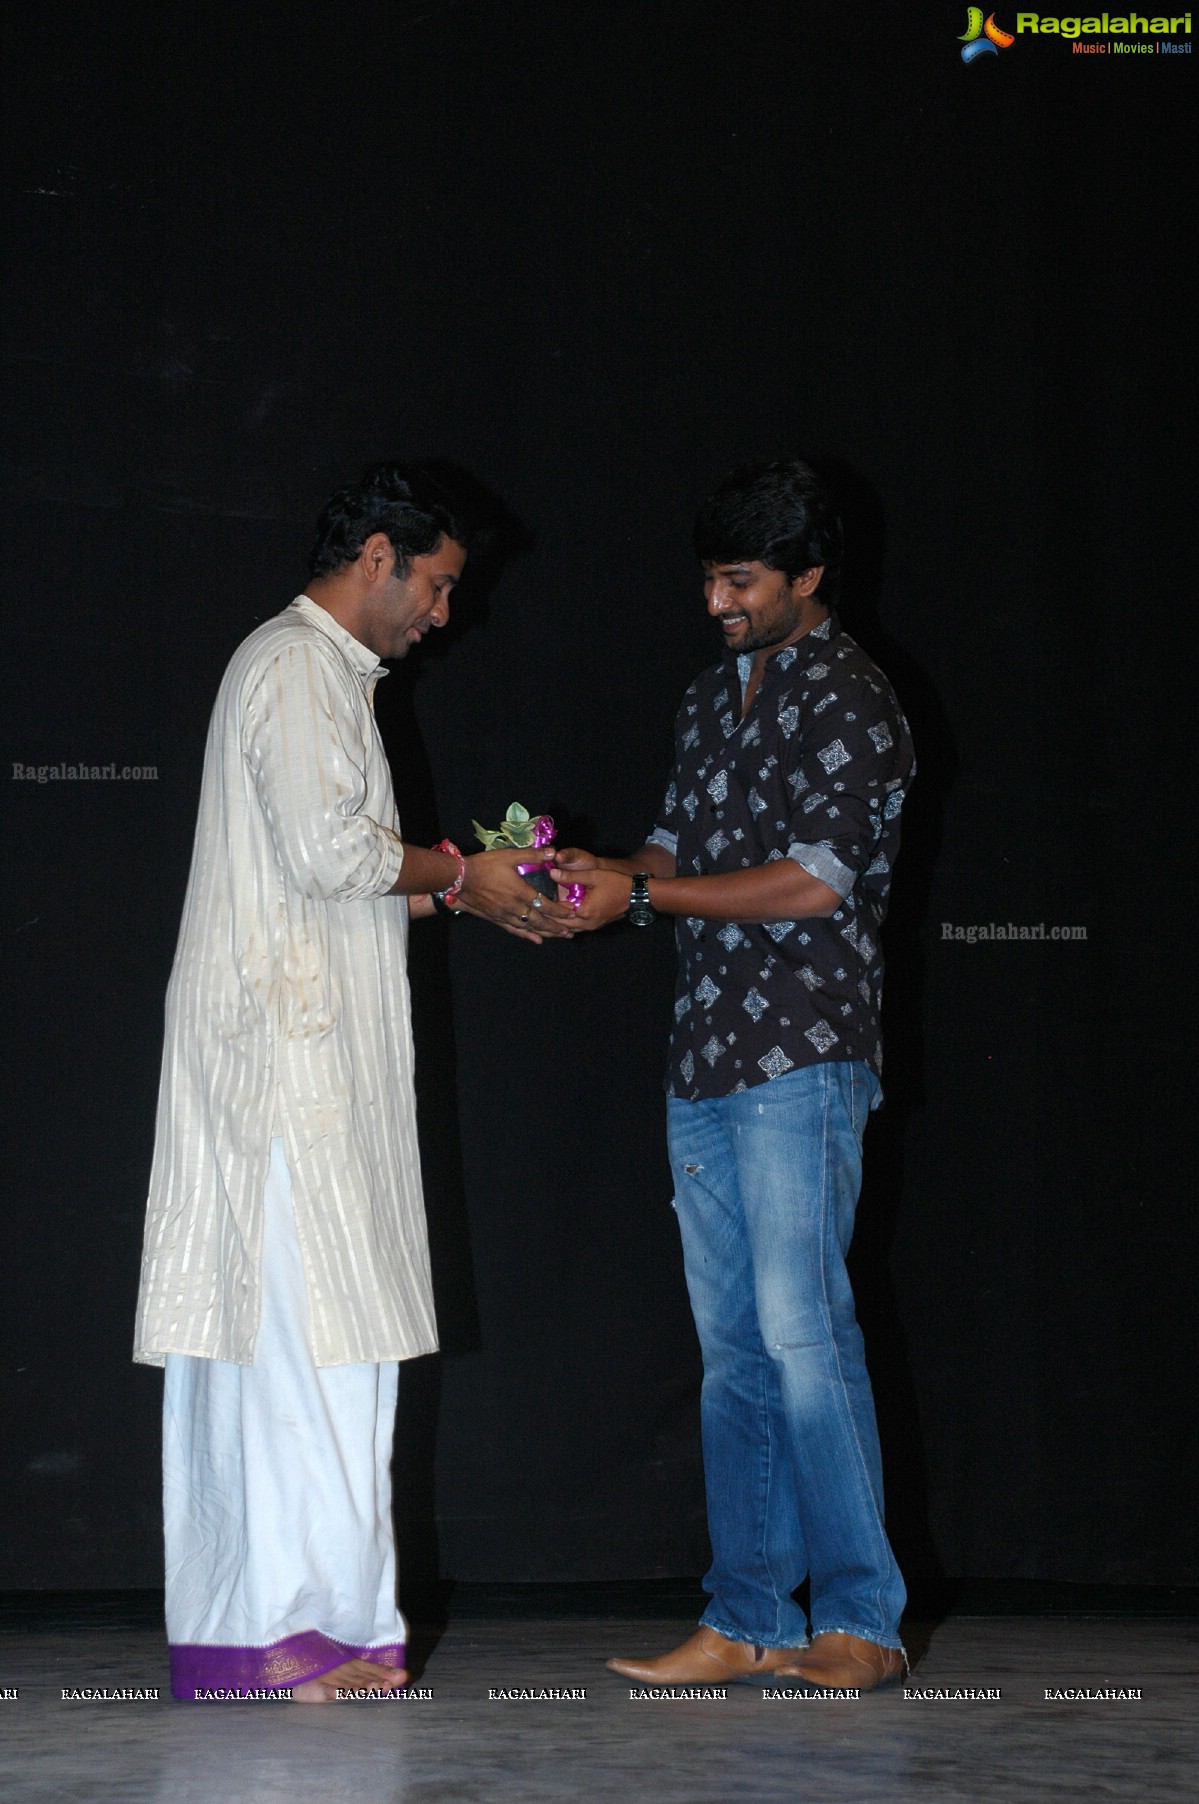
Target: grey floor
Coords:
[[460, 1745]]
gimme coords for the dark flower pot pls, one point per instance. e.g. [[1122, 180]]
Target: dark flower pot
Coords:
[[538, 877]]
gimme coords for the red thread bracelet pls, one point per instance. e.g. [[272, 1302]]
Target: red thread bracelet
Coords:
[[451, 890]]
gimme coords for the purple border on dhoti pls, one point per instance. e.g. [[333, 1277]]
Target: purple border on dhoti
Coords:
[[203, 1666]]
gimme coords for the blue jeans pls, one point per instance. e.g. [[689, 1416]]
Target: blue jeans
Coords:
[[766, 1185]]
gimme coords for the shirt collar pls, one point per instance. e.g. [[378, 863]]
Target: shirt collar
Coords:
[[791, 657], [360, 656]]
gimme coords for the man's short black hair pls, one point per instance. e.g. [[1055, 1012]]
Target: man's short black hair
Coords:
[[405, 501], [778, 514]]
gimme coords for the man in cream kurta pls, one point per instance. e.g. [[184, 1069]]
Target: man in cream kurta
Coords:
[[286, 1262], [287, 1014]]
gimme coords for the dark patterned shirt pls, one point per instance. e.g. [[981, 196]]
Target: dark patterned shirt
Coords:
[[816, 771]]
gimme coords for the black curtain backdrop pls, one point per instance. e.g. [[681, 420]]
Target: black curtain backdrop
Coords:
[[596, 253]]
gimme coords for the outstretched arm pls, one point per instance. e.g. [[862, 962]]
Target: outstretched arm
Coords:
[[779, 891], [492, 888]]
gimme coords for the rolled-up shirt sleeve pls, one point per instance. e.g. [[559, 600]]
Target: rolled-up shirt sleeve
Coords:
[[665, 831], [666, 827], [307, 736], [854, 763]]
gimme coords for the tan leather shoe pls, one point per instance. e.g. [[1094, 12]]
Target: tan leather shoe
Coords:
[[840, 1662], [708, 1658]]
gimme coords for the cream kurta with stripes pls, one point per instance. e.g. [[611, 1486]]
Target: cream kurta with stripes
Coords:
[[287, 1012]]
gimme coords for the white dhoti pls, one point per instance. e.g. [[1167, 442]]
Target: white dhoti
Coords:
[[280, 1548]]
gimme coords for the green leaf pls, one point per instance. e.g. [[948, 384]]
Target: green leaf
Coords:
[[517, 830]]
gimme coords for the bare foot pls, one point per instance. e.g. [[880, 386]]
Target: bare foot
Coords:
[[351, 1676]]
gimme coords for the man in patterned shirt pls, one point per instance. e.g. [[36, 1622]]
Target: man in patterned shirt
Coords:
[[774, 851]]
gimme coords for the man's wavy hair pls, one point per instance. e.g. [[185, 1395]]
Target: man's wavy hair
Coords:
[[779, 514], [405, 501]]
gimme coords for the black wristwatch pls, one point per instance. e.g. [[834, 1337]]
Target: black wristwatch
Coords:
[[641, 909]]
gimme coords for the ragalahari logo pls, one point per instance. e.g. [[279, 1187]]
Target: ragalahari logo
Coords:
[[983, 37]]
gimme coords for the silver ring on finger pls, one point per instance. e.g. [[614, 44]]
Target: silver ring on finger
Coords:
[[536, 901]]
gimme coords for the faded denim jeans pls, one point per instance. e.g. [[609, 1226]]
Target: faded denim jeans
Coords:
[[766, 1186]]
